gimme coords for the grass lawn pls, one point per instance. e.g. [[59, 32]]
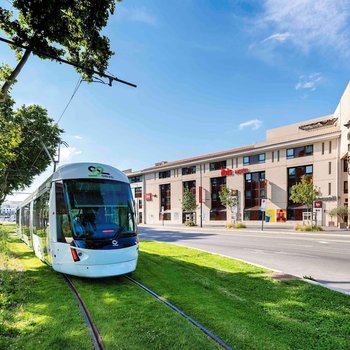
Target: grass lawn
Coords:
[[232, 299], [37, 310], [243, 307]]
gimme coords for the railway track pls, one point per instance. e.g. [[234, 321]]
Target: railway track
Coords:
[[95, 335]]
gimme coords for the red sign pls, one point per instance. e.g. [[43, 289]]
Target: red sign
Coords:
[[148, 196], [318, 204], [200, 194], [242, 171], [225, 172]]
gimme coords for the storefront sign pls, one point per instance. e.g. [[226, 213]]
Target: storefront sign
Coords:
[[242, 171], [148, 196], [327, 199], [226, 172], [318, 204]]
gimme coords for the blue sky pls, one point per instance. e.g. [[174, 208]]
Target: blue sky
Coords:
[[211, 75]]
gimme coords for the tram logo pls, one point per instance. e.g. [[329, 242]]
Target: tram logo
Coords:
[[115, 243], [97, 171]]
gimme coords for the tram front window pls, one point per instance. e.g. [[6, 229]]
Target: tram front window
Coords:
[[100, 209]]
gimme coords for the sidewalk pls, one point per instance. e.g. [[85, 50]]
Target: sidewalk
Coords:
[[250, 227]]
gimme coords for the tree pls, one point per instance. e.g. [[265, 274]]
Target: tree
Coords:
[[340, 211], [59, 29], [228, 199], [303, 192], [189, 201], [24, 157]]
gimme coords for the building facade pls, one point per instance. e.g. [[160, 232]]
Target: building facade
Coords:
[[255, 174]]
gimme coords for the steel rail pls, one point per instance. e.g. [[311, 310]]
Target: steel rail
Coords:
[[95, 335], [173, 307]]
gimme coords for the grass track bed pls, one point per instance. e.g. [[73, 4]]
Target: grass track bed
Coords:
[[234, 300], [37, 310], [243, 307]]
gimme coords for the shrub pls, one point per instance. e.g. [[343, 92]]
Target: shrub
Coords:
[[307, 228], [239, 225], [189, 223]]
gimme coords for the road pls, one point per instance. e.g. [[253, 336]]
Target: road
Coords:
[[325, 257]]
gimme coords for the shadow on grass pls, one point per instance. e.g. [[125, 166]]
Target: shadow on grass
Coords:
[[246, 309], [37, 308]]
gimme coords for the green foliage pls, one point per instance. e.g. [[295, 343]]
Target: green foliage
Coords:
[[242, 305], [307, 228], [304, 192], [333, 212], [21, 154], [188, 200], [227, 199], [37, 310], [238, 225], [60, 28], [340, 211], [189, 223]]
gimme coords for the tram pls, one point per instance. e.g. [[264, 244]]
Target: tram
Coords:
[[81, 221]]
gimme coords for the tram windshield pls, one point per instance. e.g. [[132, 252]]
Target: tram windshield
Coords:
[[99, 209]]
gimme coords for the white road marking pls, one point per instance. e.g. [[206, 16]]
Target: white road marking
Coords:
[[323, 242]]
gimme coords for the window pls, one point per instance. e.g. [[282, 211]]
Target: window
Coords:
[[218, 210], [138, 192], [41, 215], [189, 170], [322, 147], [272, 156], [329, 167], [164, 174], [330, 146], [96, 209], [298, 152], [236, 162], [191, 185], [345, 165], [134, 179], [278, 156], [254, 190], [295, 210], [217, 165], [254, 159], [345, 187], [165, 197], [329, 188]]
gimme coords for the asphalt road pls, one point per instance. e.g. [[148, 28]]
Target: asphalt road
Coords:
[[323, 256]]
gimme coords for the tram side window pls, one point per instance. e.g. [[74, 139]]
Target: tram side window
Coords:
[[64, 231], [25, 221], [41, 214]]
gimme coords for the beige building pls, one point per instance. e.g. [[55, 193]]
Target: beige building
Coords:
[[259, 174]]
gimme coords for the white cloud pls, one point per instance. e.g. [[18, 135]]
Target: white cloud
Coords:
[[253, 124], [68, 153], [137, 15], [78, 137], [278, 37], [308, 82], [309, 23]]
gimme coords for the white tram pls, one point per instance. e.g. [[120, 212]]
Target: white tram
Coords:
[[81, 221]]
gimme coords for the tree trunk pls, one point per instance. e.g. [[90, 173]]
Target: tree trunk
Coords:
[[9, 82]]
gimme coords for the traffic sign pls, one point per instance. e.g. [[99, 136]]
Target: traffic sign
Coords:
[[263, 205]]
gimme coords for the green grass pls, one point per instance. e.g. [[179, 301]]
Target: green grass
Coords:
[[129, 318], [237, 225], [234, 300], [37, 310], [243, 307], [307, 228]]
